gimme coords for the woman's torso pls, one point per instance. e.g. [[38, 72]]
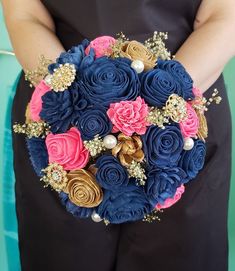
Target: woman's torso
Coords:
[[137, 19]]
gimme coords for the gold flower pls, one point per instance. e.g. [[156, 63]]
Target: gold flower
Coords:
[[134, 50], [83, 189], [203, 128], [128, 149]]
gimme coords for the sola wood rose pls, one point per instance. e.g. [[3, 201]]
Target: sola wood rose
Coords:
[[101, 45], [67, 149], [129, 116], [135, 50], [35, 104], [189, 126], [171, 201], [83, 189]]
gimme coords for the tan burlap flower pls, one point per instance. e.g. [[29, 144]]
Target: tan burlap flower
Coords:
[[203, 128], [83, 189], [135, 50], [129, 148]]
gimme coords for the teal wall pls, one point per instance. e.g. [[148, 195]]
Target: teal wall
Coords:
[[9, 67]]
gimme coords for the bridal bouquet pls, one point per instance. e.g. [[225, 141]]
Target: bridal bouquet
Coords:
[[117, 129]]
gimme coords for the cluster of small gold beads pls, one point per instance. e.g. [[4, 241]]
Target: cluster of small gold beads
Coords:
[[62, 78]]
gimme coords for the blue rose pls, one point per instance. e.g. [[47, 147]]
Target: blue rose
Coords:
[[59, 109], [38, 154], [128, 204], [76, 55], [110, 80], [94, 121], [79, 212], [193, 161], [111, 174], [179, 73], [157, 85], [162, 147], [163, 183]]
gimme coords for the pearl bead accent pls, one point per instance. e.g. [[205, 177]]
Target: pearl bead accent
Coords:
[[110, 141], [137, 65], [95, 217], [188, 143]]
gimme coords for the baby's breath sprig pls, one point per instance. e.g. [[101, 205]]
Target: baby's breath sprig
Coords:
[[117, 46], [136, 171], [157, 45], [95, 146]]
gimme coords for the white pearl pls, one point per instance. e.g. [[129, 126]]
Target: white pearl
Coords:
[[188, 143], [110, 141], [95, 217], [137, 65]]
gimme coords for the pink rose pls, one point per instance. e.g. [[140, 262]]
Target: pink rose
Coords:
[[171, 201], [35, 104], [189, 126], [101, 45], [67, 149], [129, 116]]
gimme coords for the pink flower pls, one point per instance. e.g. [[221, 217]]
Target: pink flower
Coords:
[[67, 149], [101, 45], [129, 116], [197, 92], [35, 104], [171, 201], [189, 126]]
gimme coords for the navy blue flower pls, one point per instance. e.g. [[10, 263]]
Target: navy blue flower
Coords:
[[94, 121], [110, 80], [128, 204], [193, 161], [111, 174], [163, 147], [163, 183], [76, 55], [79, 212], [60, 108], [179, 73], [38, 154], [157, 85]]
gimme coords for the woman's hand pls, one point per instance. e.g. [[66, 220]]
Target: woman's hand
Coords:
[[32, 31], [212, 44]]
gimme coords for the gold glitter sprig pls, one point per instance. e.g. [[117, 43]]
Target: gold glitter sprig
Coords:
[[55, 176], [153, 216], [95, 146], [35, 76], [157, 45], [32, 129], [135, 170]]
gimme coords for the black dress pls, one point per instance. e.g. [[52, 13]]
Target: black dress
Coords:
[[192, 234]]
